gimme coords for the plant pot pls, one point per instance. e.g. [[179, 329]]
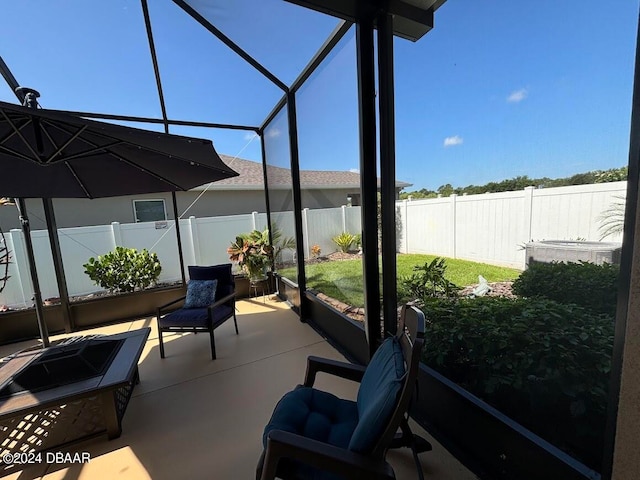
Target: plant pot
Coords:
[[17, 325], [122, 307], [243, 285]]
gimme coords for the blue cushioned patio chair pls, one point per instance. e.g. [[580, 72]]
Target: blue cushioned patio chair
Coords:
[[315, 435], [206, 318]]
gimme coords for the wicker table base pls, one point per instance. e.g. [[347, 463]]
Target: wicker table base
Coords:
[[40, 420]]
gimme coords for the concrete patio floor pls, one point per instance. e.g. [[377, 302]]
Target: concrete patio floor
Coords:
[[194, 418]]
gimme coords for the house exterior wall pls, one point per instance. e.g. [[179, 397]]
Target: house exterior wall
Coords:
[[73, 212]]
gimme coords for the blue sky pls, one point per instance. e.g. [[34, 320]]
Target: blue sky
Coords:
[[497, 89]]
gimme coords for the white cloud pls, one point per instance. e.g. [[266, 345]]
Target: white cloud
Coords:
[[273, 133], [354, 170], [250, 136], [518, 95], [452, 141]]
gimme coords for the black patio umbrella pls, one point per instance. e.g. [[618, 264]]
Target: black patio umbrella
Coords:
[[50, 154]]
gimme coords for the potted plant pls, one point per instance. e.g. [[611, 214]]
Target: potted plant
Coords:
[[253, 253]]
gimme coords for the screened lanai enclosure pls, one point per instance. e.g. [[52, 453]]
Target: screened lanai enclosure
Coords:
[[327, 109]]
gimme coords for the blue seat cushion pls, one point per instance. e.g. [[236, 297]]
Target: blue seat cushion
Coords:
[[314, 414], [317, 415], [378, 395], [195, 317]]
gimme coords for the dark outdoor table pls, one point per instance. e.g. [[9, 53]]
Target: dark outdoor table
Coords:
[[40, 419]]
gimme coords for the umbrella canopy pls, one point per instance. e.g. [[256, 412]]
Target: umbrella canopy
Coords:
[[51, 154]]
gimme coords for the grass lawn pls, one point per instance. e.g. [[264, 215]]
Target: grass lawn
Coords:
[[342, 280]]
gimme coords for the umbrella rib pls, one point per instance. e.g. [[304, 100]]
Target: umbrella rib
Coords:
[[160, 152], [15, 153], [153, 174], [36, 157], [12, 134], [73, 172], [48, 135], [86, 153], [128, 162], [65, 144]]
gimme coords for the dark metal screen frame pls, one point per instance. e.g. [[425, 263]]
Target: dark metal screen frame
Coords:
[[382, 19], [368, 179], [622, 307]]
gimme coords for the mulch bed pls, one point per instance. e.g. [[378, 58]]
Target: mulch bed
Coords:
[[498, 289], [334, 257], [78, 298]]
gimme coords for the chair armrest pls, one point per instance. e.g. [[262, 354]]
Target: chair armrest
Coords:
[[346, 370], [281, 444], [222, 301], [161, 307]]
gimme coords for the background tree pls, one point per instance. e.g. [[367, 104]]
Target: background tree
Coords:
[[520, 182]]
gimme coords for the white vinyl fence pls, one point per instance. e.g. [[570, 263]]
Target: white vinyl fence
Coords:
[[489, 228], [493, 227], [204, 242]]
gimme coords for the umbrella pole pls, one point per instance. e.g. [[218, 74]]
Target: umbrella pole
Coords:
[[176, 219], [63, 292], [37, 295]]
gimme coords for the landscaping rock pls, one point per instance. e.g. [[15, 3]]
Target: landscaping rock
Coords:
[[497, 289]]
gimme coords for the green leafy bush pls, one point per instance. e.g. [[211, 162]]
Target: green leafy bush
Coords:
[[357, 241], [124, 270], [344, 241], [543, 363], [428, 280], [591, 286]]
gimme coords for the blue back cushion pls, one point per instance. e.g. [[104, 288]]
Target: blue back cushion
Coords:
[[222, 273], [200, 293], [378, 395]]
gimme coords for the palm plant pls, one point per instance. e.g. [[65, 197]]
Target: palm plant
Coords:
[[280, 243], [252, 252], [612, 219]]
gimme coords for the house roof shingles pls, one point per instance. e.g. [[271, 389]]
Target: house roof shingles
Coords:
[[251, 177]]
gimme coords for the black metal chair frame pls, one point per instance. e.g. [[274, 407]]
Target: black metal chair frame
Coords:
[[210, 326], [281, 444]]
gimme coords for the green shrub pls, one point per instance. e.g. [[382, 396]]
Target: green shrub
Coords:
[[543, 363], [594, 287], [124, 270], [344, 241], [428, 280], [357, 241]]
